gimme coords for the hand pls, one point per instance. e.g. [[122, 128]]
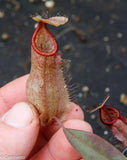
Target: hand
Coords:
[[20, 134]]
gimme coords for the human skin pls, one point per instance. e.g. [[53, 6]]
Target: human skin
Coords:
[[20, 131]]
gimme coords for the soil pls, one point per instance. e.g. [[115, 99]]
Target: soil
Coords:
[[94, 40]]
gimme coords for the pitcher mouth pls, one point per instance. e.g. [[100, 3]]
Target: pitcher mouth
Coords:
[[43, 42], [109, 115]]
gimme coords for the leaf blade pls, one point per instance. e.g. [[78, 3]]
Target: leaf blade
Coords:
[[91, 146]]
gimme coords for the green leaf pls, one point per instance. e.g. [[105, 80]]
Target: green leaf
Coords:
[[91, 146]]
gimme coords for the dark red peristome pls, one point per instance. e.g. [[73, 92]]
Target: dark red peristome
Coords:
[[109, 115], [116, 122], [47, 37]]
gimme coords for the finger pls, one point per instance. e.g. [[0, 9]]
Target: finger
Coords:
[[75, 112], [46, 132], [58, 147], [19, 128], [12, 93], [41, 141]]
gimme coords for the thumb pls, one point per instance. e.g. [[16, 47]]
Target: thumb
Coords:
[[19, 128]]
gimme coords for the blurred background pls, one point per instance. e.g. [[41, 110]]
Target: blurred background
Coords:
[[94, 41]]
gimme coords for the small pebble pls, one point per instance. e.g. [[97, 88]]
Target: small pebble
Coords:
[[108, 49], [66, 47], [5, 36], [80, 95], [97, 18], [92, 116], [111, 21], [77, 19], [107, 89], [107, 69], [17, 6], [105, 132], [49, 4], [119, 35], [106, 39], [2, 14], [123, 98], [123, 49], [85, 89]]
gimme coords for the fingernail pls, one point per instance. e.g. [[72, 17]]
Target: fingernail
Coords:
[[19, 116]]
